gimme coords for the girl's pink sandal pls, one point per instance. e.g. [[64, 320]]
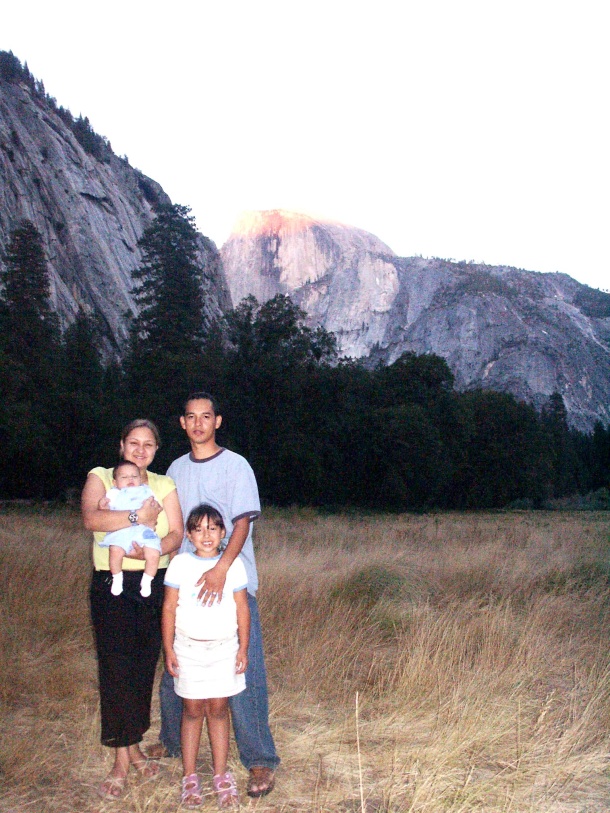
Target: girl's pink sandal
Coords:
[[226, 789], [191, 791]]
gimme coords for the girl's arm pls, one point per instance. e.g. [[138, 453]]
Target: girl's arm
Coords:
[[99, 519], [243, 630], [168, 628]]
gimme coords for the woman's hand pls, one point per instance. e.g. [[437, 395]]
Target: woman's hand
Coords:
[[96, 516], [135, 552], [148, 512], [147, 515]]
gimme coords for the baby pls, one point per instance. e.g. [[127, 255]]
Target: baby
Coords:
[[129, 494]]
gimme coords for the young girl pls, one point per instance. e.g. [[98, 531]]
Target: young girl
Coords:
[[206, 651]]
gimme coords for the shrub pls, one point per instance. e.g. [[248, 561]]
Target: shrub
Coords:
[[368, 585]]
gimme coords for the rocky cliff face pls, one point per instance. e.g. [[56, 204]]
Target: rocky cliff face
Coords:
[[524, 332], [90, 211]]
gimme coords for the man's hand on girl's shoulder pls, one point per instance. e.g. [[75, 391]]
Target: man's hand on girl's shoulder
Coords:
[[212, 584]]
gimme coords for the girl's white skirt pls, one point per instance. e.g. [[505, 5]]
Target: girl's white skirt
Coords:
[[206, 668]]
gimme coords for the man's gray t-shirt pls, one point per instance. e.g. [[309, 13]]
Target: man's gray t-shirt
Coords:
[[225, 481]]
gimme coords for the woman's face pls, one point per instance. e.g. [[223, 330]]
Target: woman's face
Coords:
[[139, 447]]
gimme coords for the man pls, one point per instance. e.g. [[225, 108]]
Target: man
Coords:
[[214, 475]]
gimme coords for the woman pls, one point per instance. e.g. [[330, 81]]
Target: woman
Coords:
[[128, 627]]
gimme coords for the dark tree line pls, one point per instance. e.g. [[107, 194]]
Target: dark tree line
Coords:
[[318, 430]]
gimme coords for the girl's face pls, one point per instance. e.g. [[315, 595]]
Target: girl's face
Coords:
[[139, 447], [206, 537]]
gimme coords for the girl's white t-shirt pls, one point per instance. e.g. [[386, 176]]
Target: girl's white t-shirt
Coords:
[[200, 621]]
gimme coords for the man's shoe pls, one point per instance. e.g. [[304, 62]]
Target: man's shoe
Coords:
[[261, 781], [157, 751]]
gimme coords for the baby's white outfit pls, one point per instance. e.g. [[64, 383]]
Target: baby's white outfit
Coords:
[[130, 499]]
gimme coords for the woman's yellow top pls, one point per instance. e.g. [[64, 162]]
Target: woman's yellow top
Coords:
[[160, 485]]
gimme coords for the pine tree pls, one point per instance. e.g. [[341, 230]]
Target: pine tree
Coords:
[[169, 293], [271, 362], [84, 369], [168, 333], [87, 407], [560, 447], [30, 346], [31, 329]]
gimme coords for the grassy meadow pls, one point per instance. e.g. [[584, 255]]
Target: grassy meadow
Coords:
[[441, 663]]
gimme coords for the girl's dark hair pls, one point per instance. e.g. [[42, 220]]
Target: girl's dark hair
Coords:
[[127, 430], [120, 465], [201, 511]]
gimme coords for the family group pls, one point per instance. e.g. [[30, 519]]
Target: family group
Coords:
[[174, 567]]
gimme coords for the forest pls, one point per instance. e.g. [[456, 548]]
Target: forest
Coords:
[[319, 430]]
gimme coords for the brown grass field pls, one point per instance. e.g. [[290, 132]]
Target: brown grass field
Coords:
[[441, 663]]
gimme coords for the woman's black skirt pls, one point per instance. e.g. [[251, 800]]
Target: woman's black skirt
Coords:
[[128, 641]]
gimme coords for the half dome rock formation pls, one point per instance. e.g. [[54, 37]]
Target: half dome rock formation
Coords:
[[336, 273], [523, 332], [89, 206]]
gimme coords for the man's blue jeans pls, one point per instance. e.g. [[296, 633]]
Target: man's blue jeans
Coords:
[[249, 709]]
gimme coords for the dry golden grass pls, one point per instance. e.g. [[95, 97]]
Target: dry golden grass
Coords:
[[440, 664]]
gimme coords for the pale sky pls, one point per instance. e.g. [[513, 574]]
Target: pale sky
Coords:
[[464, 129]]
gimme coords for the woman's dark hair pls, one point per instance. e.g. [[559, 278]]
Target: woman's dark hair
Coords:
[[202, 511], [127, 430]]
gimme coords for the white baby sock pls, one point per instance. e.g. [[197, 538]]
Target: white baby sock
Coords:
[[117, 584], [145, 585]]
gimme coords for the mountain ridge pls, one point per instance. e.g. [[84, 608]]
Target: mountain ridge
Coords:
[[525, 332], [90, 207], [498, 327]]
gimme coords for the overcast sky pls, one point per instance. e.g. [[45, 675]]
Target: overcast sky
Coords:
[[465, 129]]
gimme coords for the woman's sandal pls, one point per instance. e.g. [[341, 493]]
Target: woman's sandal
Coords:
[[112, 788], [191, 792], [146, 768], [226, 789]]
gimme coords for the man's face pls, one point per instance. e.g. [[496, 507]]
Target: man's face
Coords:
[[199, 421]]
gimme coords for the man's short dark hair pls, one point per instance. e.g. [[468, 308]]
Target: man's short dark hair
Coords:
[[202, 396]]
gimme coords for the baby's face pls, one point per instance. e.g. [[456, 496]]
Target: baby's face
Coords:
[[128, 476]]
